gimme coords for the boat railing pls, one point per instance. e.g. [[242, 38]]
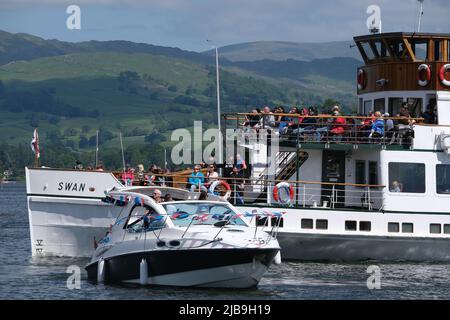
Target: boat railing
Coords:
[[326, 129], [248, 191]]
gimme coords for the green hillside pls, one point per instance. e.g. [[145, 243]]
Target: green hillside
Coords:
[[284, 50], [123, 88]]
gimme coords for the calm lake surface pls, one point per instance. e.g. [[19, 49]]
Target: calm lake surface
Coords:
[[24, 277]]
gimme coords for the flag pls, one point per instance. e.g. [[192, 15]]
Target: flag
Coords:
[[35, 144]]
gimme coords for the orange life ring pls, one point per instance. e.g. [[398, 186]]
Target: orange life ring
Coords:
[[444, 68], [423, 83], [214, 185], [361, 79], [289, 188]]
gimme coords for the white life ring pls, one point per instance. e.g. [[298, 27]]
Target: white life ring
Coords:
[[423, 83], [213, 186], [444, 69], [288, 189], [361, 79]]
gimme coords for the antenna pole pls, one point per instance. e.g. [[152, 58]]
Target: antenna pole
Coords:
[[420, 15], [218, 106], [121, 147], [96, 152]]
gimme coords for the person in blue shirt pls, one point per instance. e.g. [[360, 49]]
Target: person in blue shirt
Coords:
[[377, 126], [196, 180]]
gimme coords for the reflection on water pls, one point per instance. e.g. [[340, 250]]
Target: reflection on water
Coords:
[[22, 276]]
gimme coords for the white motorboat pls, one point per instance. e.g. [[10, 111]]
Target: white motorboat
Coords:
[[181, 243]]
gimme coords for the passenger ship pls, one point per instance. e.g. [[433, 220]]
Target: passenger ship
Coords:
[[350, 197]]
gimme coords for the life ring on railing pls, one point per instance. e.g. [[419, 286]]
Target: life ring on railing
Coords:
[[288, 189], [423, 83], [444, 69], [361, 79], [227, 187]]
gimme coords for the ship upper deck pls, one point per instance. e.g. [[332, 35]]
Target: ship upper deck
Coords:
[[328, 131]]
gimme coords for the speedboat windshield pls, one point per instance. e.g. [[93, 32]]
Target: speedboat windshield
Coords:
[[196, 213]]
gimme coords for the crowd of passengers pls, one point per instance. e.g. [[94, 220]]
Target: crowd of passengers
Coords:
[[334, 125], [199, 180]]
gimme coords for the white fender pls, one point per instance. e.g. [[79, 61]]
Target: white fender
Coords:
[[143, 272], [101, 271]]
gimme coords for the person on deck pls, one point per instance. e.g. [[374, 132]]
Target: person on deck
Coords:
[[196, 180], [377, 126]]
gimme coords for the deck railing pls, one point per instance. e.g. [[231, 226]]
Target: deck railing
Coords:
[[324, 128], [305, 193]]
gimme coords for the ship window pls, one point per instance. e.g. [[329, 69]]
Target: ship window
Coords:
[[367, 50], [394, 106], [373, 172], [415, 106], [365, 226], [447, 228], [406, 177], [367, 107], [393, 227], [443, 178], [438, 50], [360, 174], [350, 225], [321, 224], [379, 105], [307, 223], [435, 228], [420, 49], [407, 227], [277, 222]]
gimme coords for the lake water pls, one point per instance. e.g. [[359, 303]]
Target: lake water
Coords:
[[24, 277]]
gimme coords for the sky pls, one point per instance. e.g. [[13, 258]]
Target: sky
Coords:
[[188, 23]]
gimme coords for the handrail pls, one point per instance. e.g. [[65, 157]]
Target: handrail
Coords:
[[276, 181], [320, 116]]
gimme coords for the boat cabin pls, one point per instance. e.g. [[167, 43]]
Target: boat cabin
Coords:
[[394, 156]]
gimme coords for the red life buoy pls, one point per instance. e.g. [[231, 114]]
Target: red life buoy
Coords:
[[444, 69], [227, 187], [361, 79], [423, 83], [289, 189]]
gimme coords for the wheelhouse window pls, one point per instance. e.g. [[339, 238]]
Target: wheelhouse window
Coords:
[[407, 177], [443, 178], [420, 49], [360, 174]]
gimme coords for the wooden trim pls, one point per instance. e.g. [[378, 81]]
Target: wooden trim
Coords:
[[389, 49], [363, 53], [409, 49], [374, 49], [430, 53]]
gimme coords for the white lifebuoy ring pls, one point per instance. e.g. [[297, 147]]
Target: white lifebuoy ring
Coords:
[[423, 83], [361, 79], [288, 189], [213, 186], [444, 69]]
